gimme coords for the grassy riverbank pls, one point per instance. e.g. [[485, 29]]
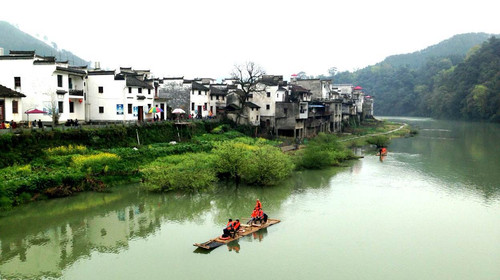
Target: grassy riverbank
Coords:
[[204, 157]]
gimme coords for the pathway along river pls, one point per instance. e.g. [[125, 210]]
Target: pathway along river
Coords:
[[430, 210]]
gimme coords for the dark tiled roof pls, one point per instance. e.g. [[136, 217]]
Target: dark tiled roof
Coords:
[[43, 62], [296, 88], [79, 67], [252, 105], [9, 57], [101, 72], [134, 82], [70, 70], [217, 91], [21, 52], [173, 78], [197, 86], [7, 92]]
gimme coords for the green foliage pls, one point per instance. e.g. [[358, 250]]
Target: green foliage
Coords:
[[180, 172], [231, 157], [28, 145], [95, 163], [324, 151], [266, 165], [456, 79], [252, 161], [379, 140], [67, 150]]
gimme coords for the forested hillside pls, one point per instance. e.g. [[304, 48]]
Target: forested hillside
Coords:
[[11, 38], [438, 81]]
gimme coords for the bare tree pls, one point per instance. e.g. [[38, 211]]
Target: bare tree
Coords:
[[247, 77], [53, 110]]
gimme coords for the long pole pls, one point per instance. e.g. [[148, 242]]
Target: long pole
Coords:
[[137, 133]]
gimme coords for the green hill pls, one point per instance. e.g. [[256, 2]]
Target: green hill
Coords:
[[14, 39], [457, 45], [405, 84]]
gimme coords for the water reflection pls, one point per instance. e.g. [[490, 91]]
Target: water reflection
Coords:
[[233, 246], [463, 154], [49, 236], [45, 238]]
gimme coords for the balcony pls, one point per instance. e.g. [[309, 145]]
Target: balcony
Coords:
[[76, 92]]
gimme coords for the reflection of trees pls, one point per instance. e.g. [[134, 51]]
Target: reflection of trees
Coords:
[[66, 230], [51, 235], [464, 154]]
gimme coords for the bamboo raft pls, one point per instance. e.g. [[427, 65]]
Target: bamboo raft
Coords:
[[243, 231]]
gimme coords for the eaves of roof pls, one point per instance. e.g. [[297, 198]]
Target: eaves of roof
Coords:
[[7, 92]]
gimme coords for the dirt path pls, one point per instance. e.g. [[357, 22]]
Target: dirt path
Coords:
[[375, 134], [294, 147]]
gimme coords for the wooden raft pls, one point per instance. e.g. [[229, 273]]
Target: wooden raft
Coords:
[[244, 231]]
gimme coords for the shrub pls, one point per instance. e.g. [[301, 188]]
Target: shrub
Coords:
[[230, 158], [266, 165], [187, 172], [94, 163], [379, 140], [323, 151]]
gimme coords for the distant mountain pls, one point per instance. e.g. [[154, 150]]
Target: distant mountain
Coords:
[[457, 45], [406, 84], [11, 38]]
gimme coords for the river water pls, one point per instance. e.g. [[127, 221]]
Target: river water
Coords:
[[429, 210]]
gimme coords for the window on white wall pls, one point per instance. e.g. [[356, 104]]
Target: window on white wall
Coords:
[[59, 80], [268, 107], [15, 107], [101, 110], [101, 89], [17, 81]]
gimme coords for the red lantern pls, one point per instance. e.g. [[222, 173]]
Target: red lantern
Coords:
[[80, 100]]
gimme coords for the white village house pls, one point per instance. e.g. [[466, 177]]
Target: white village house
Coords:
[[48, 85]]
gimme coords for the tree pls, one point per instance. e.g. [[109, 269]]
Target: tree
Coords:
[[247, 77], [53, 109]]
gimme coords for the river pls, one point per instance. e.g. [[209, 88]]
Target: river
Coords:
[[429, 210]]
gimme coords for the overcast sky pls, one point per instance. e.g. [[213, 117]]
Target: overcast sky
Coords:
[[194, 38]]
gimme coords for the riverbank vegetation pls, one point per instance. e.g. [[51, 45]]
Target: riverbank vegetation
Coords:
[[207, 154]]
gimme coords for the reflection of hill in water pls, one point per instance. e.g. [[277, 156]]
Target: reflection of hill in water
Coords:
[[463, 154], [46, 237]]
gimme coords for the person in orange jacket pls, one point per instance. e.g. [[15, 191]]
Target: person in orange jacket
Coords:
[[258, 205], [235, 227], [229, 227], [254, 216]]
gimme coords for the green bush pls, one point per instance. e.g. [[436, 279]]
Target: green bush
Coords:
[[253, 164], [379, 140], [191, 171], [231, 157], [323, 151], [266, 165]]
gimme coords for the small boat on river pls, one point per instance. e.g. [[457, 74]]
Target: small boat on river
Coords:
[[243, 231]]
